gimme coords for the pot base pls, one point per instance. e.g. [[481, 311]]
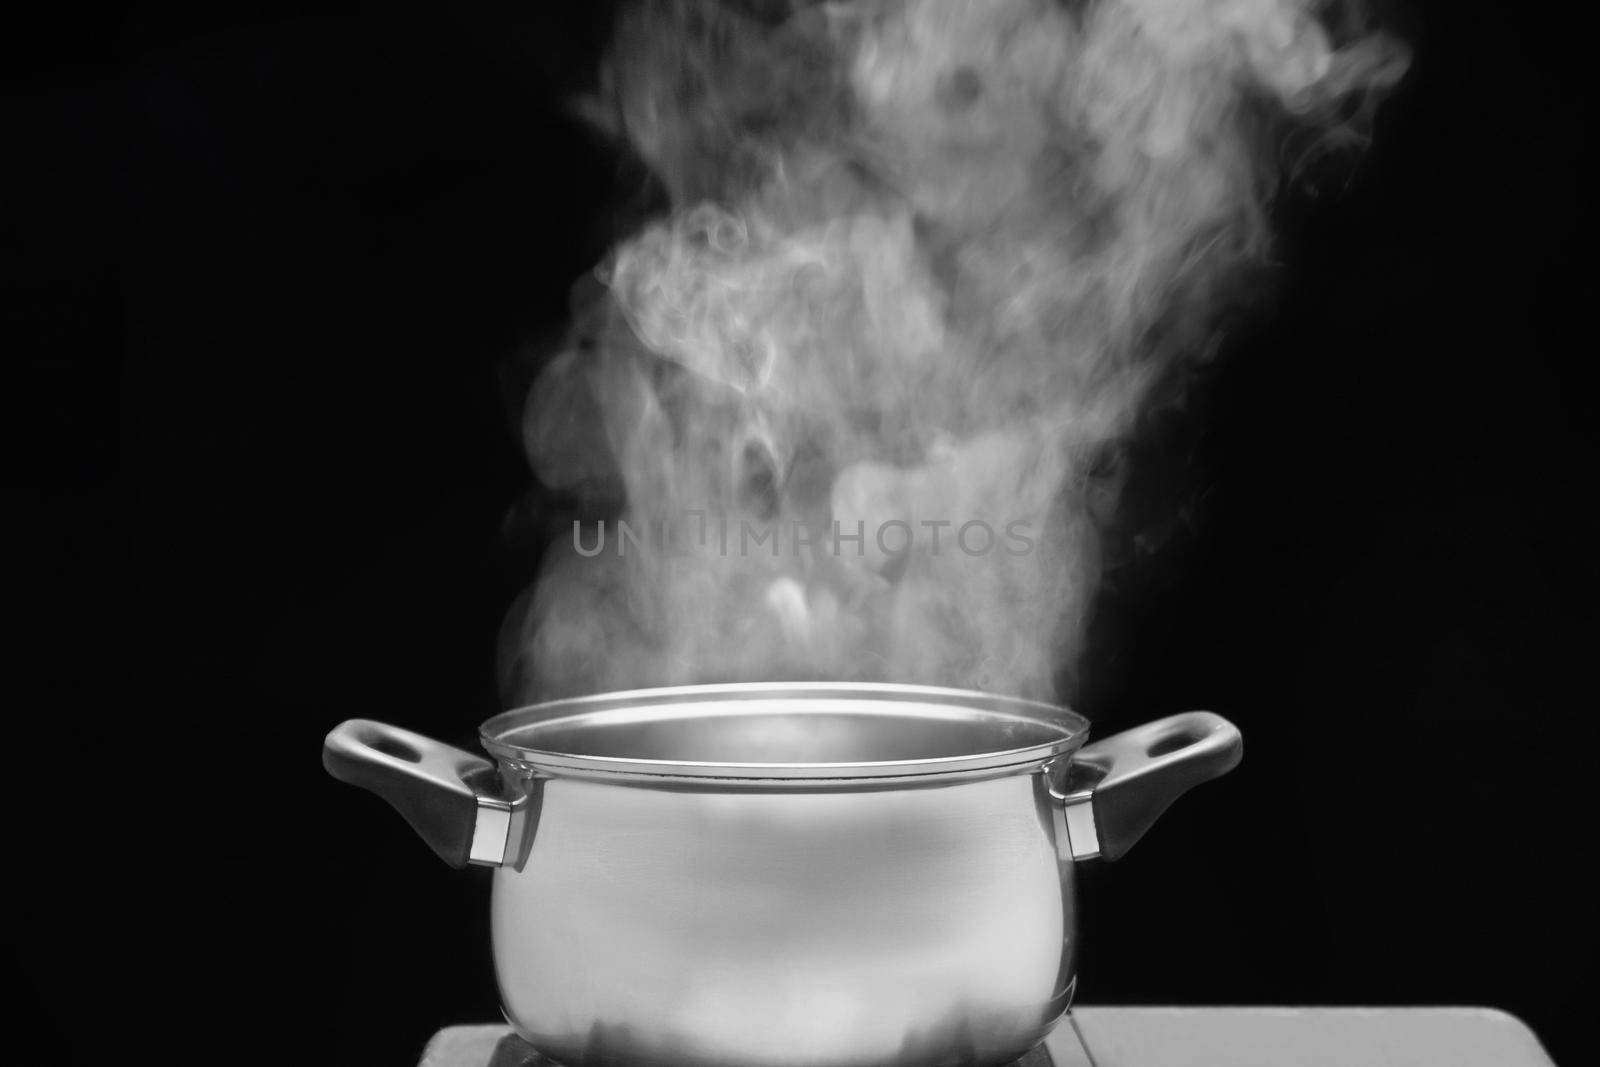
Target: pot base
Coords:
[[482, 1050]]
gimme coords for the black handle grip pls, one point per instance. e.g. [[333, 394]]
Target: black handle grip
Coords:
[[431, 784], [1137, 774]]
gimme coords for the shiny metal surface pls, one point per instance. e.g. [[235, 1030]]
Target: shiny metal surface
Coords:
[[768, 876], [491, 831], [1076, 827], [795, 733], [684, 926]]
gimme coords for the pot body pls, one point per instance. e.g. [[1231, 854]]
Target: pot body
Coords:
[[777, 875], [922, 924]]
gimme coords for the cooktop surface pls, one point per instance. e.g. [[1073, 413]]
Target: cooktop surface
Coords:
[[1188, 1037]]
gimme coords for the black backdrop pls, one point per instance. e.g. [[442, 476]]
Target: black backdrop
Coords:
[[266, 275]]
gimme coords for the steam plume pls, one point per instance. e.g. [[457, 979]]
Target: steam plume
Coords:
[[926, 260]]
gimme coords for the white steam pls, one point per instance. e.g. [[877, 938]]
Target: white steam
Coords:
[[926, 261]]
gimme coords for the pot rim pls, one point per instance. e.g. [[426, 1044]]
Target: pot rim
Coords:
[[1054, 731]]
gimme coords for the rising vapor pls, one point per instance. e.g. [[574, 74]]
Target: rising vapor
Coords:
[[926, 262]]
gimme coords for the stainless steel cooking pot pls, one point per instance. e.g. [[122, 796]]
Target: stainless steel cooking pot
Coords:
[[776, 874]]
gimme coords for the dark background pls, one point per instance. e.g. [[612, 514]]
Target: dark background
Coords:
[[267, 280]]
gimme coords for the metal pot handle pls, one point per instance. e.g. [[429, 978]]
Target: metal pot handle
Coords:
[[1117, 788], [451, 798]]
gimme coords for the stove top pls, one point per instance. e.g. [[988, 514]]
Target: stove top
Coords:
[[1187, 1037]]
